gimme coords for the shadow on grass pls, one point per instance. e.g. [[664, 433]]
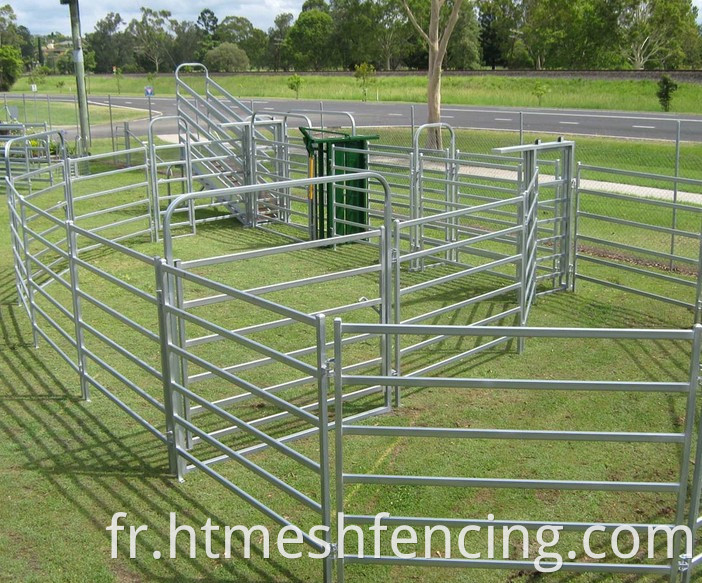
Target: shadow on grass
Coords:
[[94, 469]]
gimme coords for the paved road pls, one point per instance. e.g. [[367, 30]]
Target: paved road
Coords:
[[583, 122]]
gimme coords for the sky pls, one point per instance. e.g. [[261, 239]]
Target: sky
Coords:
[[45, 16]]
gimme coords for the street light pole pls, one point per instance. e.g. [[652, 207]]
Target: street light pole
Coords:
[[79, 66]]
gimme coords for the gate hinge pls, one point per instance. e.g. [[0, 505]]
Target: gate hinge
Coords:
[[683, 563]]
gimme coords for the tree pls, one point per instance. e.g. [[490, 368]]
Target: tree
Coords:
[[226, 58], [295, 84], [315, 5], [151, 38], [309, 40], [240, 31], [437, 41], [207, 26], [27, 47], [391, 33], [10, 66], [659, 33], [8, 26], [187, 40], [539, 90], [277, 34], [355, 32], [112, 46], [365, 75], [463, 52], [207, 22], [666, 88]]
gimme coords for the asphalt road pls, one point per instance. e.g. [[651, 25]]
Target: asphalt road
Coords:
[[578, 122]]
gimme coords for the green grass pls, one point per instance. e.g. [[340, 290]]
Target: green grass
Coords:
[[487, 91], [69, 465], [65, 114]]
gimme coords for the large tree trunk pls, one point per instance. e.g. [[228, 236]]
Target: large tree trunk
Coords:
[[434, 101], [437, 43]]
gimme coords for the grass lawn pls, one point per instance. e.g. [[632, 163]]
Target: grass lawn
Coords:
[[487, 91], [65, 114], [69, 465]]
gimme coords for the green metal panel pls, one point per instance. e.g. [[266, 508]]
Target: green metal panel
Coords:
[[353, 193]]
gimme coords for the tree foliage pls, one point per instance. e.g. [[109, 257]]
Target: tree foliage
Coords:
[[10, 66], [341, 34], [309, 40], [226, 58]]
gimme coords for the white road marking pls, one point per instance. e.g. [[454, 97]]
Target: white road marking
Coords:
[[569, 123], [395, 114], [644, 127], [269, 108], [128, 102], [447, 117], [503, 119]]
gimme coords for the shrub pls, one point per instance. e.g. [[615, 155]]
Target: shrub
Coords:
[[666, 88], [226, 58], [294, 84]]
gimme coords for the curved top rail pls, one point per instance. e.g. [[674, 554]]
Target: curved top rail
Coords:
[[418, 131], [283, 114], [193, 66], [47, 134], [323, 112], [255, 188]]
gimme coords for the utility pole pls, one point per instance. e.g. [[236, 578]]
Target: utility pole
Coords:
[[79, 66]]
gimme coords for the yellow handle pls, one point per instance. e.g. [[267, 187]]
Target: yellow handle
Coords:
[[310, 167]]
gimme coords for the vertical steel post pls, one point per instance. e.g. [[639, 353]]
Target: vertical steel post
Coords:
[[48, 112], [79, 66], [675, 193], [30, 282], [127, 143], [568, 218], [323, 420], [521, 128], [690, 417], [112, 125], [575, 220], [522, 242], [338, 439], [77, 310], [182, 336], [695, 494], [396, 296], [698, 287], [170, 402], [385, 341]]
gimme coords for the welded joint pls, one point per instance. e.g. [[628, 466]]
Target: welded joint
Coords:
[[376, 309], [334, 550]]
